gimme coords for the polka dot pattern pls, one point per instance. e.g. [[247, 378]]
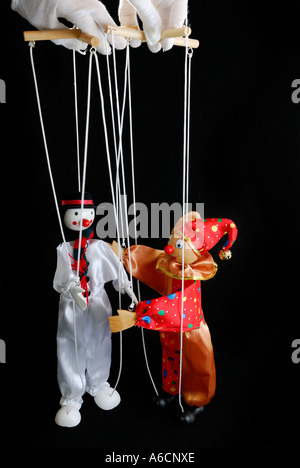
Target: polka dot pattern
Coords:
[[170, 341], [214, 230], [164, 313], [204, 234]]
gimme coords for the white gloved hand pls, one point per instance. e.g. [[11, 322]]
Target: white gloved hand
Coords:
[[157, 16], [88, 15], [131, 294], [76, 292]]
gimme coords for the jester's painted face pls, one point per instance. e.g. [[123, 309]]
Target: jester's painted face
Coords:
[[175, 248], [72, 218]]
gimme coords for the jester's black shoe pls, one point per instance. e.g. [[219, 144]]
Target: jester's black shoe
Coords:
[[163, 400], [189, 415]]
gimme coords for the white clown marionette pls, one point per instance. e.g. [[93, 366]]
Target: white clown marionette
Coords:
[[83, 335]]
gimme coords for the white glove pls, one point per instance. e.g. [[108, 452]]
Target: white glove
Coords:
[[131, 294], [76, 291], [157, 16], [88, 15]]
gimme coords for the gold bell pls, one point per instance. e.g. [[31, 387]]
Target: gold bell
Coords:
[[225, 254]]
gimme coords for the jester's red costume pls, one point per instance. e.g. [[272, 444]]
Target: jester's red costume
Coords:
[[163, 273]]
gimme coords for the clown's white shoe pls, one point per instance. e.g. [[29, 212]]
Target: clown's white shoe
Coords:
[[107, 398], [67, 416]]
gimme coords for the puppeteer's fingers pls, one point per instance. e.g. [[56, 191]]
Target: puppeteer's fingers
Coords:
[[178, 12], [128, 18], [127, 14], [90, 19], [150, 18]]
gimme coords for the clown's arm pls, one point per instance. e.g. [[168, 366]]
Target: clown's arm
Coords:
[[65, 282], [109, 268]]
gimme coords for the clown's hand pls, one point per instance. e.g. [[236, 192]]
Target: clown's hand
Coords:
[[76, 292], [157, 16], [88, 15], [131, 294]]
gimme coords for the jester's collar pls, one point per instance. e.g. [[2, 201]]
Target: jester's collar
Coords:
[[202, 269]]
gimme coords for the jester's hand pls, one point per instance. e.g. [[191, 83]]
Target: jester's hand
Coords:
[[76, 292]]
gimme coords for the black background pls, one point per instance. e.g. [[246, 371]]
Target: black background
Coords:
[[244, 166]]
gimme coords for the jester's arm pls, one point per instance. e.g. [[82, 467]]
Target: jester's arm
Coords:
[[141, 262], [163, 313]]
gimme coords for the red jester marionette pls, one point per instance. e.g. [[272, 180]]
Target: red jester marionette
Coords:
[[190, 241]]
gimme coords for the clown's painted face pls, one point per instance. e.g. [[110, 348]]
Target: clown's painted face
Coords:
[[72, 218]]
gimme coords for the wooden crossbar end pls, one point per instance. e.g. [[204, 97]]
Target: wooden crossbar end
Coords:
[[52, 34]]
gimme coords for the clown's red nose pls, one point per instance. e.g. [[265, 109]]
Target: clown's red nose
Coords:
[[169, 249], [85, 222]]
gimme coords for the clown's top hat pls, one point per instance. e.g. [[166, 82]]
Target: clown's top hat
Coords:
[[73, 200]]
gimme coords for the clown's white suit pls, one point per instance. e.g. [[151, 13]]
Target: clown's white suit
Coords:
[[87, 368]]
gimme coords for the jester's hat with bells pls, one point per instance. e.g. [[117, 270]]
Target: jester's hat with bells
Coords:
[[203, 234]]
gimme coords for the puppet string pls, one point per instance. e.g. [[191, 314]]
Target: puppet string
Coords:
[[116, 197], [85, 151], [107, 145], [185, 186], [115, 142], [119, 156], [31, 45], [119, 147], [122, 203], [189, 54], [132, 164], [92, 53], [119, 159], [55, 198], [112, 192], [76, 118], [82, 204], [134, 208]]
